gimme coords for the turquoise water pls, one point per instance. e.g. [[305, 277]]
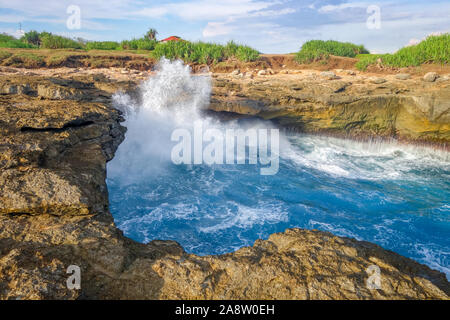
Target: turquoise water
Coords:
[[394, 195]]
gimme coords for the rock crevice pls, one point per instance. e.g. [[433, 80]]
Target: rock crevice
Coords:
[[54, 213]]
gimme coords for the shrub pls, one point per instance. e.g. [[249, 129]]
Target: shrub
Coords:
[[315, 50], [138, 44], [31, 37], [50, 41], [7, 41], [102, 45], [434, 49], [204, 53]]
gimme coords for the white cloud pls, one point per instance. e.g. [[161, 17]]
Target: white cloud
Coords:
[[413, 42], [342, 6], [198, 10], [214, 29], [221, 28]]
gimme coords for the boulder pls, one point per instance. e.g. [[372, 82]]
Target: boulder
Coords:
[[262, 72], [403, 76], [329, 75], [377, 80], [430, 77]]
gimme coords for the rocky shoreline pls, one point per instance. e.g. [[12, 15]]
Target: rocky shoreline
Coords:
[[59, 129]]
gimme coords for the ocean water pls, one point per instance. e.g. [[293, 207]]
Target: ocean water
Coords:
[[391, 194]]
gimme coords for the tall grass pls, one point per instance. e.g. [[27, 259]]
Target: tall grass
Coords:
[[138, 44], [7, 41], [51, 41], [102, 45], [434, 49], [202, 52], [316, 50]]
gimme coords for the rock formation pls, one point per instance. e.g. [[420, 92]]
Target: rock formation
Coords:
[[57, 133], [353, 106]]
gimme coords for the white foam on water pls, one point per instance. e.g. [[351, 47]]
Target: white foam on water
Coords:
[[247, 217], [332, 228], [364, 160], [434, 258]]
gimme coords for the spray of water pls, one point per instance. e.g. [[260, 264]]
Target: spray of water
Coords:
[[170, 99]]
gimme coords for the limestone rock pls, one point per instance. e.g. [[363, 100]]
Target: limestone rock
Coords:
[[377, 80], [345, 108], [430, 77], [403, 76], [329, 75], [54, 205]]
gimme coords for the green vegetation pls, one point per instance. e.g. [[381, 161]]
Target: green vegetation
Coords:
[[50, 41], [190, 52], [138, 44], [7, 41], [102, 45], [435, 49], [32, 38], [205, 53], [151, 34], [316, 50]]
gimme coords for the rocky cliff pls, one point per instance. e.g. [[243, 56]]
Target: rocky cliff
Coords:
[[57, 133], [344, 104]]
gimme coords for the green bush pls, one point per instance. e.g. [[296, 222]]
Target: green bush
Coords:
[[316, 50], [434, 49], [51, 41], [138, 44], [204, 53], [7, 41], [102, 45], [31, 37]]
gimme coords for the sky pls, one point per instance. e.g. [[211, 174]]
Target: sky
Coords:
[[271, 26]]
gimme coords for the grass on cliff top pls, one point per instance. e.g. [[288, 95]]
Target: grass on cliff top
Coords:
[[190, 52], [316, 50], [434, 49], [204, 53]]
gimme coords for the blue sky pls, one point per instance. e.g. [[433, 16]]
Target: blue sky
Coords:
[[271, 26]]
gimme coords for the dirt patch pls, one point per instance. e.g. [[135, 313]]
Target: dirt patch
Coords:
[[279, 62], [415, 71]]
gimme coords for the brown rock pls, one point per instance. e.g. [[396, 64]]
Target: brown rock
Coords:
[[430, 77], [54, 206]]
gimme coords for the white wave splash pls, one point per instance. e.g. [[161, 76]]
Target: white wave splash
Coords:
[[171, 98]]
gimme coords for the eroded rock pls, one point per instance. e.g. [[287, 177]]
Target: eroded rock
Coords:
[[54, 206], [430, 77]]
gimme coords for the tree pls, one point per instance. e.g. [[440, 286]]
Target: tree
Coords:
[[151, 34], [32, 37]]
